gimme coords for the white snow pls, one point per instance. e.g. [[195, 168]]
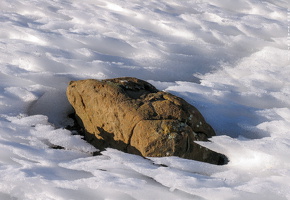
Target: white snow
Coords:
[[230, 59]]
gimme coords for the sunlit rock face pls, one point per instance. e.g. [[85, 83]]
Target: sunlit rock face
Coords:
[[131, 115]]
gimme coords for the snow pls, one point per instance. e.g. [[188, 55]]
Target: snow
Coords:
[[229, 60]]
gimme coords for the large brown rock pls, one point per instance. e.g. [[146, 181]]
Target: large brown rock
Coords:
[[133, 116]]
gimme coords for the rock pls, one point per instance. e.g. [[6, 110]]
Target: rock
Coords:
[[131, 115]]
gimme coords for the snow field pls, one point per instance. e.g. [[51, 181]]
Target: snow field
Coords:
[[229, 60]]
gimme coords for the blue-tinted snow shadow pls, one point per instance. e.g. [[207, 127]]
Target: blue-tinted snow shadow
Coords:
[[56, 173], [4, 196], [227, 118]]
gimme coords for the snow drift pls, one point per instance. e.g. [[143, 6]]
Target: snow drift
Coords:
[[229, 60]]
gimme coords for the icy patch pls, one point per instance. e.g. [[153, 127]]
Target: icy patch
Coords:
[[42, 133], [29, 120]]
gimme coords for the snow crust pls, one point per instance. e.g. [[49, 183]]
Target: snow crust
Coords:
[[230, 60]]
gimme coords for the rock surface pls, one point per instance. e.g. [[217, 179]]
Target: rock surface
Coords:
[[133, 116]]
